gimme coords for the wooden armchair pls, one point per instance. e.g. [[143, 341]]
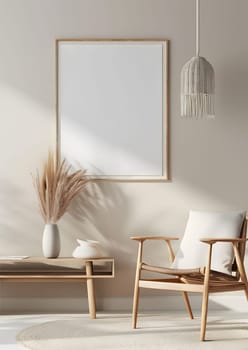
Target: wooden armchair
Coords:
[[199, 280]]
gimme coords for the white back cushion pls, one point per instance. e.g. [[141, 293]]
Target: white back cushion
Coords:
[[193, 253]]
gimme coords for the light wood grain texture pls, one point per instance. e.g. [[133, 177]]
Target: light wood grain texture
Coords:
[[205, 295], [136, 286], [181, 287], [241, 247], [39, 270], [90, 289], [155, 238], [241, 268], [216, 240], [226, 288], [200, 280], [168, 270], [188, 306], [185, 295], [166, 144], [170, 250]]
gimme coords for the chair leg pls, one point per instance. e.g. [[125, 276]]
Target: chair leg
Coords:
[[241, 268], [205, 296], [135, 304], [187, 304], [204, 315], [136, 286]]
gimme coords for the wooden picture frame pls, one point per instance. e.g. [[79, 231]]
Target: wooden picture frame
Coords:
[[112, 107]]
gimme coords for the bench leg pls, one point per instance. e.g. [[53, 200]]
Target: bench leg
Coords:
[[90, 289]]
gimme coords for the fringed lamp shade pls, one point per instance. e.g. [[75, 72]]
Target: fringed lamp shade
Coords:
[[197, 88], [197, 82]]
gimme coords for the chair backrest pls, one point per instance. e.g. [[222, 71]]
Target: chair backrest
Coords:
[[192, 252], [243, 234]]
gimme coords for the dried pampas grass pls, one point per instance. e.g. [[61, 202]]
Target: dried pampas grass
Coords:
[[56, 187]]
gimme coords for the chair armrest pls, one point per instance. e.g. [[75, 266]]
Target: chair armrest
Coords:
[[216, 240], [156, 238], [142, 239]]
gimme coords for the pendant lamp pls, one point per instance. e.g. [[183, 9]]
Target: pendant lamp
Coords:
[[197, 82]]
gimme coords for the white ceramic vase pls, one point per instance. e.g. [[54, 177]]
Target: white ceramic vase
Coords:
[[51, 241]]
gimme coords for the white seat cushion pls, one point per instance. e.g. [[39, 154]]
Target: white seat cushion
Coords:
[[193, 253]]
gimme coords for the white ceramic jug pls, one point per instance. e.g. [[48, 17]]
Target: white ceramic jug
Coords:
[[87, 249]]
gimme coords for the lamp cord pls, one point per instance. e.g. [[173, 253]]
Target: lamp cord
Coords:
[[197, 27]]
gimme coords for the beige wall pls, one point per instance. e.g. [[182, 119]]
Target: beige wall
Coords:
[[208, 158]]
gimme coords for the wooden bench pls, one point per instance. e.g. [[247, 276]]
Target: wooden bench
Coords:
[[39, 269]]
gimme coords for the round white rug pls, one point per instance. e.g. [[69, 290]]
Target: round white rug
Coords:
[[113, 332]]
